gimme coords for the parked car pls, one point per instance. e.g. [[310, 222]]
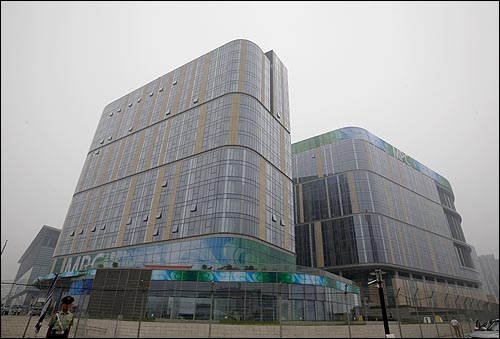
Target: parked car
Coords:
[[486, 332]]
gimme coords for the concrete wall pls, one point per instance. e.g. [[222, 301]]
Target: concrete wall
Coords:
[[14, 326]]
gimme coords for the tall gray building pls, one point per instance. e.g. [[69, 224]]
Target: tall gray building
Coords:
[[192, 168], [189, 177], [489, 268], [34, 263], [362, 204]]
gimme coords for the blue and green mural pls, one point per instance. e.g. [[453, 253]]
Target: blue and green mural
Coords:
[[348, 133]]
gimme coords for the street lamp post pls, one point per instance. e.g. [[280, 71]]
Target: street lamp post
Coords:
[[431, 301], [416, 309], [211, 310], [142, 312], [347, 313], [379, 280], [397, 312]]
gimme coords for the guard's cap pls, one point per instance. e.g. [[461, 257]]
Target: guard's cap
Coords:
[[67, 300]]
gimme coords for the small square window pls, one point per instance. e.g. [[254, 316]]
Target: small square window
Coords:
[[174, 83], [273, 218], [111, 114], [97, 152], [103, 227], [165, 183], [175, 229], [195, 100], [81, 231], [130, 105], [72, 233], [102, 141], [282, 223], [158, 215], [161, 89], [93, 229], [151, 94], [156, 232], [145, 218], [167, 112], [194, 207], [110, 137], [138, 100], [313, 156], [119, 110], [129, 221], [130, 129]]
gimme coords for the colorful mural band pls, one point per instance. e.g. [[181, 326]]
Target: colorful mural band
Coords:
[[360, 133], [253, 277]]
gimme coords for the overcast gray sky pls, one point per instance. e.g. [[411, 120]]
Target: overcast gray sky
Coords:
[[422, 76]]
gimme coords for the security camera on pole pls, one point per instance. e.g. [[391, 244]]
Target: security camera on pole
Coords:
[[378, 279]]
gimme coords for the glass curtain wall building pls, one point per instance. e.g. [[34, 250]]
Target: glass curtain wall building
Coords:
[[490, 276], [191, 171], [361, 204], [35, 262]]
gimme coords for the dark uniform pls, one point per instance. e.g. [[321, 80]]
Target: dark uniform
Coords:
[[61, 322]]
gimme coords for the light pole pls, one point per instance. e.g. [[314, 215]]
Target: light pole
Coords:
[[5, 244], [366, 310], [416, 309], [379, 280], [211, 310], [348, 316], [142, 305], [446, 306], [279, 308], [397, 312], [431, 301]]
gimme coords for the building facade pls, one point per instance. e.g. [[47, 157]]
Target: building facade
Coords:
[[362, 204], [192, 172], [34, 263], [489, 269]]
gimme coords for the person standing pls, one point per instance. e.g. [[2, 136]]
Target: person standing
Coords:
[[455, 325], [61, 322]]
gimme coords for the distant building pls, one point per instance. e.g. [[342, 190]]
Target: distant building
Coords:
[[489, 268], [35, 262], [363, 204]]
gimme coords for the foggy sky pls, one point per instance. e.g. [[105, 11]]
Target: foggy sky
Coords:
[[422, 76]]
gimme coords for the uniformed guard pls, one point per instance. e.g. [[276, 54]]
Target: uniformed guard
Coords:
[[61, 321]]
